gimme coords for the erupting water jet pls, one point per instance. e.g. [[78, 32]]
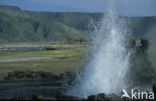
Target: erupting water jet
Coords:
[[105, 73]]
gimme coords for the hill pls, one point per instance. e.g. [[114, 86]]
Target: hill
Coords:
[[17, 25], [27, 26]]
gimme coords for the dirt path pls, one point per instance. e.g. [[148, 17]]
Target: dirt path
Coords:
[[14, 48], [6, 59]]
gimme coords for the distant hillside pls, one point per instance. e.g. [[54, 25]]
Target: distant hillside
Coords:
[[143, 26], [27, 26]]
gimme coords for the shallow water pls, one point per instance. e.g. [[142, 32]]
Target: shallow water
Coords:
[[29, 88]]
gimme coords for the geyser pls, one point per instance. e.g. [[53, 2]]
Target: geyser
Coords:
[[105, 73]]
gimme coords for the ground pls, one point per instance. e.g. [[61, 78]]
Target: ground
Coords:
[[42, 72], [52, 61]]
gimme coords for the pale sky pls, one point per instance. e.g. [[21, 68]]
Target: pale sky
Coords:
[[124, 7]]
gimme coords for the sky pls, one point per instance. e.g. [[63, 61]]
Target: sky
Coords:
[[123, 7]]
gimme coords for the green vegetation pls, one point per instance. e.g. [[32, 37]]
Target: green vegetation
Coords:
[[51, 61], [27, 26], [18, 26], [44, 52]]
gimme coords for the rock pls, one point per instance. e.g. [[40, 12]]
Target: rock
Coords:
[[71, 78], [92, 97], [21, 97], [62, 76], [13, 98], [114, 97], [38, 97], [98, 97], [60, 96], [154, 89], [30, 75]]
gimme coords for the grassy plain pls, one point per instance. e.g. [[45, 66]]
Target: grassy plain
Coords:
[[53, 61]]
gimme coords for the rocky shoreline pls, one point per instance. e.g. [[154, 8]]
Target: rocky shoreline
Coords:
[[30, 84], [60, 96], [39, 85], [21, 83]]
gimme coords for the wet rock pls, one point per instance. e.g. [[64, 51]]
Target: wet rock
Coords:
[[38, 97], [114, 97], [71, 78], [49, 98], [60, 96], [21, 97], [154, 90], [98, 97], [13, 98], [66, 75], [62, 75]]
